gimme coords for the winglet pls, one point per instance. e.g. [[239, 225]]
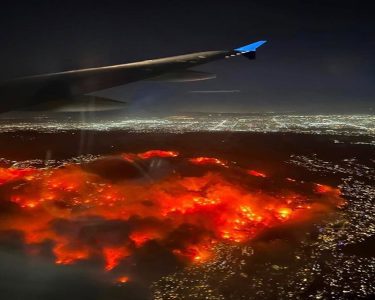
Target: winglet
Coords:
[[250, 47]]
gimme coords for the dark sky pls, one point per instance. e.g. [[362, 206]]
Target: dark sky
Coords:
[[319, 58]]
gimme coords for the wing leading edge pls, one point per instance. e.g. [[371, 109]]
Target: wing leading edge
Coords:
[[36, 90]]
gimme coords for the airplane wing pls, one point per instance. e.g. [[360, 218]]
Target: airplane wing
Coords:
[[66, 86]]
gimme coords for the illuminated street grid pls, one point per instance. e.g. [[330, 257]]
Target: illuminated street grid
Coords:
[[317, 124], [47, 163], [321, 269], [347, 167]]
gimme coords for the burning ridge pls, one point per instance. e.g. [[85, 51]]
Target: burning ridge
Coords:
[[85, 215]]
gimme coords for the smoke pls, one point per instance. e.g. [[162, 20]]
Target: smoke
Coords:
[[137, 216]]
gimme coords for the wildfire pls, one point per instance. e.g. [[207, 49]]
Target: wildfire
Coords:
[[85, 216], [12, 174], [157, 153], [256, 173], [122, 279], [321, 188], [113, 256], [194, 253], [290, 179], [132, 157], [140, 238], [207, 161], [284, 212], [66, 255]]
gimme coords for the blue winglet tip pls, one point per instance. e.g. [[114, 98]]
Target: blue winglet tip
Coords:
[[250, 47]]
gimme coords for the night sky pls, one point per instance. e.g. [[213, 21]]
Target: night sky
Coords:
[[319, 57]]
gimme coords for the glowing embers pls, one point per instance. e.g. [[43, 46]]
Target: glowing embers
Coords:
[[201, 201], [290, 179], [66, 255], [284, 213], [12, 174], [256, 173], [321, 188], [207, 161], [132, 157], [195, 253], [87, 217], [157, 153], [25, 202], [122, 279], [113, 256], [140, 237], [243, 223]]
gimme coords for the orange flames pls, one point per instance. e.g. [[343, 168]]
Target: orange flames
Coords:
[[113, 256], [67, 255], [131, 157], [157, 153], [207, 161], [321, 188], [256, 173], [284, 212], [86, 216], [123, 279], [194, 253], [12, 174]]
